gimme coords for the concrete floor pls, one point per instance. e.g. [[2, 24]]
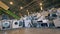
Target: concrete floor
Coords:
[[32, 31]]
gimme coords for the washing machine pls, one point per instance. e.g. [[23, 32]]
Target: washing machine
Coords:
[[15, 24], [27, 21], [45, 23], [57, 22], [5, 24]]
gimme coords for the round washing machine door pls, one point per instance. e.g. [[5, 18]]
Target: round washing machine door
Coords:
[[20, 23], [6, 24], [16, 23]]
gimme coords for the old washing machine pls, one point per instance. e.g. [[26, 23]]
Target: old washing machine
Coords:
[[6, 24], [17, 24], [57, 22]]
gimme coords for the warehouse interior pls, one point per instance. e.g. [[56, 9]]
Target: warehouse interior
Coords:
[[29, 16]]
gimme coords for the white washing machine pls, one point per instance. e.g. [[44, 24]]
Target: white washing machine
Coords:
[[57, 22], [5, 24], [27, 22], [46, 21], [15, 24]]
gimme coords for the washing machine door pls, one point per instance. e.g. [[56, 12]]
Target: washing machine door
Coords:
[[6, 24], [20, 24]]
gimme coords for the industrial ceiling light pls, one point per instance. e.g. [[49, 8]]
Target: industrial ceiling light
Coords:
[[11, 3], [21, 7], [27, 11], [40, 4]]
